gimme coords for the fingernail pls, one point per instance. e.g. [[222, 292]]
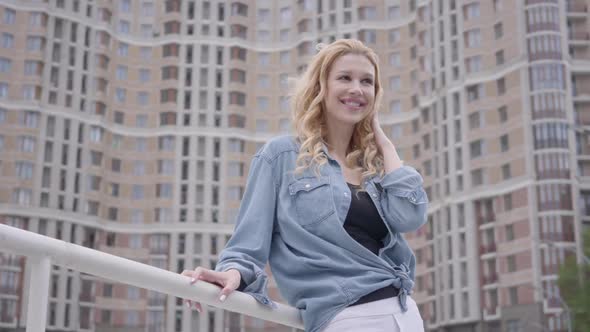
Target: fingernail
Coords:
[[188, 304], [222, 298], [198, 309], [193, 280]]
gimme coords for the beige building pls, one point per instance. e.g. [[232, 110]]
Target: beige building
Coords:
[[127, 126]]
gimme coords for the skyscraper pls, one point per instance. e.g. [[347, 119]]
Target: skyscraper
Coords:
[[128, 126]]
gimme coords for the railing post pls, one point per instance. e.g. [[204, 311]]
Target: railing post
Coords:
[[38, 293]]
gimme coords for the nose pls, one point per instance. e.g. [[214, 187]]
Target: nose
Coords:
[[355, 87]]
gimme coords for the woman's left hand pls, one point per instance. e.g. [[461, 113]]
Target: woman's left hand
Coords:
[[383, 142], [391, 160]]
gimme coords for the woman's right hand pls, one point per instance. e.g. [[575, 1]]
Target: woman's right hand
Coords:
[[228, 280]]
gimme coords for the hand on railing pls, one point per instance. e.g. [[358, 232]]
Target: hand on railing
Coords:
[[228, 280]]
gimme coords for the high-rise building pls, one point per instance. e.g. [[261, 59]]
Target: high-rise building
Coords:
[[127, 126]]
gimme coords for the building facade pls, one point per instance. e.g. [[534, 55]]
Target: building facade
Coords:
[[127, 127]]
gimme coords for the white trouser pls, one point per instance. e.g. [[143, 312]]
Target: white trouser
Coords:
[[378, 316]]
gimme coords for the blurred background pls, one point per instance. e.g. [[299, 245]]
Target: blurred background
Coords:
[[128, 126]]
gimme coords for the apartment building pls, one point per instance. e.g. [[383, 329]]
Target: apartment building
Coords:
[[127, 127]]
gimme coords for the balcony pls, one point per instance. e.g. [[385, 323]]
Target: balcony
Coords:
[[577, 7], [485, 249], [579, 36], [8, 290], [86, 297], [42, 252], [487, 218], [557, 237], [491, 278], [156, 301], [550, 269]]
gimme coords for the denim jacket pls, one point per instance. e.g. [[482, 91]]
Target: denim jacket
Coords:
[[295, 222]]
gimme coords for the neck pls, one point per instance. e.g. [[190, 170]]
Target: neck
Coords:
[[338, 139]]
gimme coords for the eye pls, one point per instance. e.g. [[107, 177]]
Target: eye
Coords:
[[368, 81], [344, 77]]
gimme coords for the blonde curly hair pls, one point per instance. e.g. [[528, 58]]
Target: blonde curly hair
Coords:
[[307, 105]]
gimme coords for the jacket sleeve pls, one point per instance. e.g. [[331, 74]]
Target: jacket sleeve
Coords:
[[403, 200], [248, 248]]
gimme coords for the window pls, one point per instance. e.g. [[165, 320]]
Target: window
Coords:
[[34, 44], [3, 90], [498, 5], [24, 170], [262, 103], [394, 83], [506, 173], [286, 15], [393, 12], [123, 49], [120, 95], [29, 119], [501, 86], [395, 59], [511, 263], [262, 125], [395, 107], [164, 190], [22, 196], [138, 192], [145, 52], [477, 177], [475, 92], [509, 232], [124, 27], [471, 11], [7, 40], [514, 325], [35, 19], [507, 202], [263, 59], [499, 57], [9, 16], [475, 120], [394, 36], [121, 72], [142, 100], [473, 38], [498, 30], [147, 9], [125, 6], [476, 149], [513, 295], [473, 64], [263, 81], [503, 114], [26, 143], [504, 143], [5, 65]]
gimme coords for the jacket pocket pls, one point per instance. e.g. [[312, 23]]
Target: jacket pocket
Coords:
[[312, 198]]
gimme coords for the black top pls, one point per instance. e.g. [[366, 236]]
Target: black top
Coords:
[[364, 224]]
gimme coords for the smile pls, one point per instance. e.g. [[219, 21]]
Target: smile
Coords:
[[352, 103]]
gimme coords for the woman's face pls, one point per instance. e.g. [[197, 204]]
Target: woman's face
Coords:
[[350, 89]]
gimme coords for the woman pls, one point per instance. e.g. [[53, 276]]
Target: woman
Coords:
[[327, 208]]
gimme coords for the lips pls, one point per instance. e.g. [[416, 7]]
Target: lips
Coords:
[[353, 102]]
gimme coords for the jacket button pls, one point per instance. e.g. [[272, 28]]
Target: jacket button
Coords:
[[374, 195], [307, 185], [345, 194]]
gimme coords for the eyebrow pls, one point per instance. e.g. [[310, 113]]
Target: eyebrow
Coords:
[[349, 72]]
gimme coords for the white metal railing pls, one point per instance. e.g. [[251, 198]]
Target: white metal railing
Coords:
[[44, 251]]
